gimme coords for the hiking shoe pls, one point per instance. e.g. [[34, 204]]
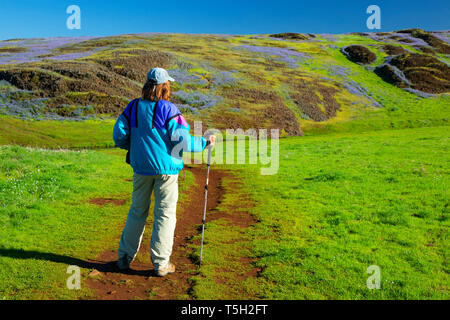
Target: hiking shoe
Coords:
[[165, 271], [123, 263]]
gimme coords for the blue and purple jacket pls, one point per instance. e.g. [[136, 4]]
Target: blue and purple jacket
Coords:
[[156, 134]]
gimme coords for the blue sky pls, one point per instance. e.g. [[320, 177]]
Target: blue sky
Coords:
[[44, 18]]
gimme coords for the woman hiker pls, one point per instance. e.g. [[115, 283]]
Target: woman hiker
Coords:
[[156, 134]]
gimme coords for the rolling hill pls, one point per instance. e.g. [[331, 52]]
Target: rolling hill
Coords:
[[299, 83]]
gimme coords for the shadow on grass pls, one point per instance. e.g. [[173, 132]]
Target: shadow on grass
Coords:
[[102, 266]]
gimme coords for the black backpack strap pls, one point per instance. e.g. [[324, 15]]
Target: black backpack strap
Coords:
[[136, 102], [154, 114], [128, 112]]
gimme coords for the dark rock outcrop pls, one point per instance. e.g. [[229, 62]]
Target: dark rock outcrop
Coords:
[[439, 45], [393, 50], [292, 36], [416, 71], [359, 54]]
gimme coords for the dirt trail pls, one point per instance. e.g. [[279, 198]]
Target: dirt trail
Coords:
[[140, 282]]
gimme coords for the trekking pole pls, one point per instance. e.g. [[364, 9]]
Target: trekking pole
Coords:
[[206, 201]]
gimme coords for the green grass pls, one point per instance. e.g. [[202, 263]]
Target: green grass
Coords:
[[45, 210], [341, 203], [56, 134], [47, 222], [222, 275]]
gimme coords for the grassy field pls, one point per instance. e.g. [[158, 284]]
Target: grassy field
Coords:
[[47, 221], [339, 204], [49, 134]]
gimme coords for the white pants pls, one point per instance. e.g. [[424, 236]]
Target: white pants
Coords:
[[166, 197]]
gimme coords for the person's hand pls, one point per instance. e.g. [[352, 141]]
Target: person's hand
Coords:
[[212, 140]]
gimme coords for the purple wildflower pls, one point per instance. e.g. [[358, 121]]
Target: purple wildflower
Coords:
[[419, 93], [339, 71], [198, 99], [395, 37], [36, 48], [184, 77], [442, 35], [73, 56], [291, 57], [224, 78]]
